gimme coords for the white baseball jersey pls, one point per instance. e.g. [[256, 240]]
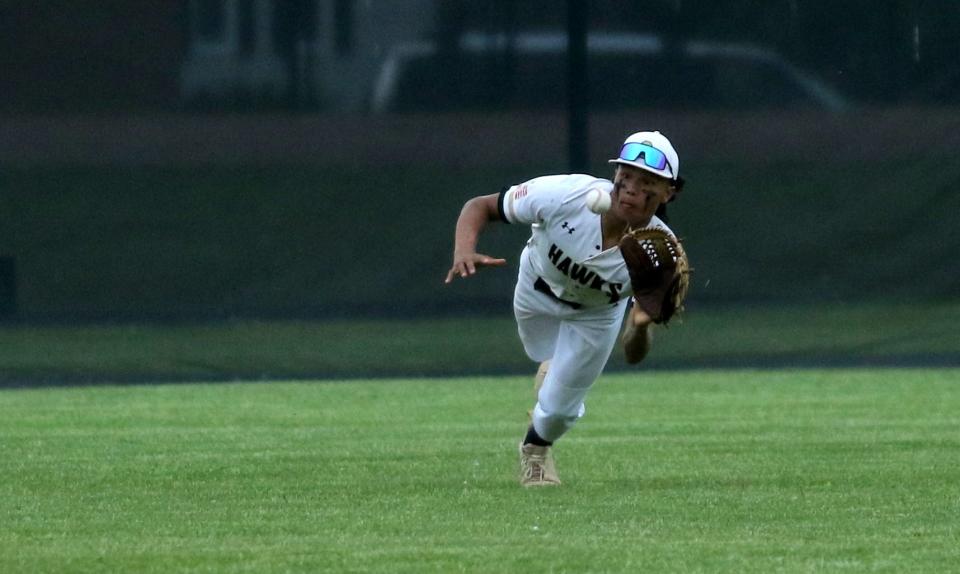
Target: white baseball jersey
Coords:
[[578, 325], [566, 245]]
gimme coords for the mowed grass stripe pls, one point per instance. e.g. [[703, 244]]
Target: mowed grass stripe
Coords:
[[864, 334], [699, 471]]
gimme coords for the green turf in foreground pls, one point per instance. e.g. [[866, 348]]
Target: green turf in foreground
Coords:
[[702, 471]]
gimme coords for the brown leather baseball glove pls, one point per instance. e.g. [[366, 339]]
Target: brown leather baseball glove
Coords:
[[659, 271]]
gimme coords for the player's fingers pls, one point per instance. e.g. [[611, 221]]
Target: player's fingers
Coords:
[[459, 269], [469, 267], [493, 261]]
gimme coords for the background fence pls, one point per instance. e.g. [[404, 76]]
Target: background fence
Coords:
[[207, 159]]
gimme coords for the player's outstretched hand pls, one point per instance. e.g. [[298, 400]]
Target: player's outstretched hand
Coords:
[[466, 265]]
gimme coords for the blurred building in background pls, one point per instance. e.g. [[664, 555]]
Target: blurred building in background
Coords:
[[328, 54], [179, 158], [301, 54]]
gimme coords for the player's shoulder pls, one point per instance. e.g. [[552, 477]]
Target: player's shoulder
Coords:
[[566, 187], [548, 197], [568, 181]]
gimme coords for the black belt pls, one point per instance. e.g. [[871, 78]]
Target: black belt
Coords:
[[541, 286]]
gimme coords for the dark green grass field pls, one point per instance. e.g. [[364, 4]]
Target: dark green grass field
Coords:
[[819, 470], [865, 334]]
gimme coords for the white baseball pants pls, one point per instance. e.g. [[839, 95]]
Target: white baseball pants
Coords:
[[579, 342]]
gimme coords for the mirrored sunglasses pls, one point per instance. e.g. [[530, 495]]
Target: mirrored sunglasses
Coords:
[[651, 156]]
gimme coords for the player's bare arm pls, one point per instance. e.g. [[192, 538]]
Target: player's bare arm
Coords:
[[474, 216], [636, 335]]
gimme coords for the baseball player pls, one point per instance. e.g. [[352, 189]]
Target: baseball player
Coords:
[[574, 286]]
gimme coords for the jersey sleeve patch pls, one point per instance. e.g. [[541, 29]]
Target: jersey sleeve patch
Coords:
[[507, 202]]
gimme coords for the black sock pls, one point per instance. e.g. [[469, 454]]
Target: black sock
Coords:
[[533, 438]]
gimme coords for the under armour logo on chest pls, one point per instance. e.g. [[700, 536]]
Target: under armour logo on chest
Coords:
[[569, 229]]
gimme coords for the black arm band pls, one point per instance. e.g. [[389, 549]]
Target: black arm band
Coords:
[[500, 200]]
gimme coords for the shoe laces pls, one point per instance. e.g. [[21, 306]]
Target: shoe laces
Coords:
[[534, 465]]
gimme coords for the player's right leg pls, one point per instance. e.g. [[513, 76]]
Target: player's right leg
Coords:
[[583, 347], [538, 326], [540, 376]]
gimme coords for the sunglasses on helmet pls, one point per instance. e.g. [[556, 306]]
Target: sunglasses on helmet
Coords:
[[651, 156]]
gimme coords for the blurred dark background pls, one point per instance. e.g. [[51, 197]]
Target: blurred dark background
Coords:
[[201, 159]]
